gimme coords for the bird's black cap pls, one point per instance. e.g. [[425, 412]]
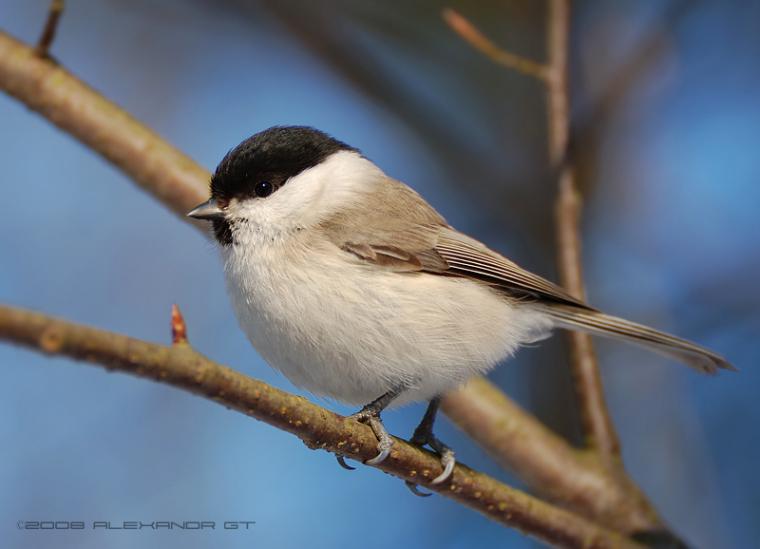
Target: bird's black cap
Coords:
[[273, 155]]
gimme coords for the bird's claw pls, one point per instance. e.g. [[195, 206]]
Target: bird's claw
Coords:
[[342, 462], [414, 489], [379, 458], [448, 461]]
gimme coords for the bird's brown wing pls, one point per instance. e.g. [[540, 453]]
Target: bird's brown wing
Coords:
[[395, 229], [441, 250], [467, 257]]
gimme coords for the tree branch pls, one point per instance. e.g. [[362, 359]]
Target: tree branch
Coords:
[[547, 463], [551, 467], [182, 367], [598, 427], [160, 169], [484, 45]]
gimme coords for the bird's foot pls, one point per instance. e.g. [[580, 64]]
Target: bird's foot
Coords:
[[370, 415], [448, 461], [423, 436]]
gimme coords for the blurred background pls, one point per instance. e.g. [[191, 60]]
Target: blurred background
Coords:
[[666, 125]]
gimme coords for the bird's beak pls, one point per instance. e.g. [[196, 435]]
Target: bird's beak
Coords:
[[208, 210]]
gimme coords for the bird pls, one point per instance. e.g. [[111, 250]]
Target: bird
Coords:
[[354, 287]]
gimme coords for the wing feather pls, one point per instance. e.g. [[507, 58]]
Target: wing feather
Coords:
[[395, 229], [470, 258], [453, 254], [389, 257]]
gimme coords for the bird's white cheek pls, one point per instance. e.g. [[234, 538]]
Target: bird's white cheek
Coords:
[[287, 209]]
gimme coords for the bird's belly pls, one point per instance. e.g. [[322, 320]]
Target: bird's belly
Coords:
[[352, 332]]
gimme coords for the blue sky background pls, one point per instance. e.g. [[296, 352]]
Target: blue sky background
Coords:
[[671, 230]]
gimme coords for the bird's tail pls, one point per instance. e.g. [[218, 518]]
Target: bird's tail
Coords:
[[594, 322]]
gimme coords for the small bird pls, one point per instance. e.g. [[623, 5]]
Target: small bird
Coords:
[[354, 287]]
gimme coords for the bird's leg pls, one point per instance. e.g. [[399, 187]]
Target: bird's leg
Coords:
[[423, 435], [370, 414]]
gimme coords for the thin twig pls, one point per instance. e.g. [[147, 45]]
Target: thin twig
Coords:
[[182, 367], [598, 428], [480, 42], [51, 26], [179, 183]]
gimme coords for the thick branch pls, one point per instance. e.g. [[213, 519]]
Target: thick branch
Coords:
[[598, 427], [176, 181], [184, 368]]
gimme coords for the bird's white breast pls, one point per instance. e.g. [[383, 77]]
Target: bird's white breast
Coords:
[[351, 332]]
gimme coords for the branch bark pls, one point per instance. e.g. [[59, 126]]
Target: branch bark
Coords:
[[552, 468], [597, 425], [574, 479], [182, 367]]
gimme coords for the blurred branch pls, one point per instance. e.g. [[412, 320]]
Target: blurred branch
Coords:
[[182, 367], [51, 26], [589, 121], [600, 433], [548, 463], [480, 42], [160, 169], [627, 73], [545, 461]]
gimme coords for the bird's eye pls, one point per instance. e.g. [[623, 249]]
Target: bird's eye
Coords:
[[263, 189]]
